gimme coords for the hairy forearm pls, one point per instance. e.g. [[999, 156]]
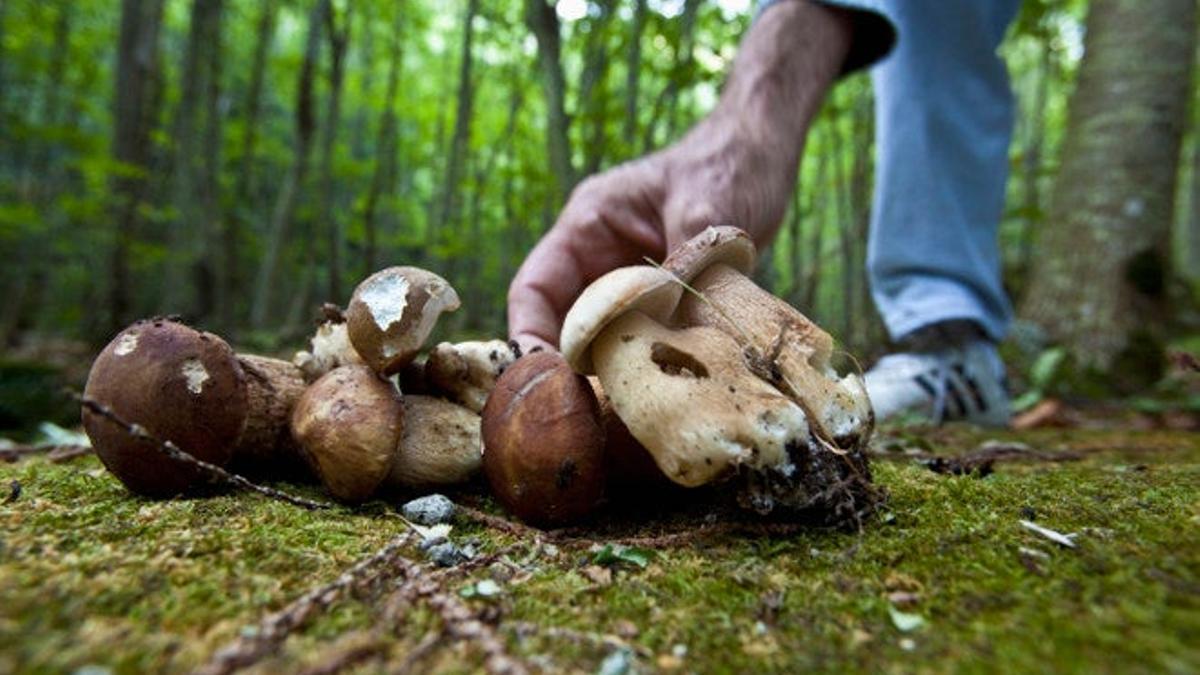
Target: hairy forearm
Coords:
[[787, 62]]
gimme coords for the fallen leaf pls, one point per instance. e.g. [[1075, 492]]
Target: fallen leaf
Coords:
[[601, 576], [905, 622]]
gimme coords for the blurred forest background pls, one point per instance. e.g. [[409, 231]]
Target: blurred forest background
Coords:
[[239, 162]]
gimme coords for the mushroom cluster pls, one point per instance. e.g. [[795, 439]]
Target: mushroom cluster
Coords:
[[336, 409], [724, 382]]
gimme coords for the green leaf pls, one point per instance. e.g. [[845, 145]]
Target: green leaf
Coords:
[[905, 622], [614, 555], [1027, 400], [1046, 368]]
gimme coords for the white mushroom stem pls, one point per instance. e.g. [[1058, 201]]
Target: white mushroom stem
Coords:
[[467, 371], [687, 396], [794, 352]]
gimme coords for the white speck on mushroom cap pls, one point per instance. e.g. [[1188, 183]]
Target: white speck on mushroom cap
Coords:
[[386, 299], [194, 373], [126, 344]]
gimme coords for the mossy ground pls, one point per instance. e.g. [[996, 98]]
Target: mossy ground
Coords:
[[90, 575]]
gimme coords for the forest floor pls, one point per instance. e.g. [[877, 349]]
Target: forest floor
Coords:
[[946, 578]]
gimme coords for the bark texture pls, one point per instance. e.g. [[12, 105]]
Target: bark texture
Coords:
[[1099, 280]]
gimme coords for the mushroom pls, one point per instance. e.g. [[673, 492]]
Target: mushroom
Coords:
[[628, 463], [359, 435], [787, 348], [466, 372], [689, 396], [190, 388], [348, 424], [329, 347], [392, 313], [543, 443], [440, 444]]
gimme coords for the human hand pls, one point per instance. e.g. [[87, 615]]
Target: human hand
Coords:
[[718, 174]]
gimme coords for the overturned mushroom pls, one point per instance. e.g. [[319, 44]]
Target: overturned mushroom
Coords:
[[543, 442], [466, 372], [691, 398], [329, 347], [785, 347], [188, 387], [440, 444], [392, 313]]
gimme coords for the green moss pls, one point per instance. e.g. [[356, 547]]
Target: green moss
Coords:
[[92, 575]]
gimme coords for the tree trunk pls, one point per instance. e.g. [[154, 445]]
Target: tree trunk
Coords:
[[593, 89], [666, 103], [285, 205], [194, 164], [460, 141], [133, 119], [212, 270], [1031, 171], [1098, 284], [338, 40], [385, 153], [542, 20], [633, 70]]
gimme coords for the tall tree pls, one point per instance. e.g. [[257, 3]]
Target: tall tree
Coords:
[[285, 204], [667, 103], [542, 20], [460, 141], [134, 113], [593, 91], [1099, 283], [385, 148], [339, 38], [195, 162], [633, 71]]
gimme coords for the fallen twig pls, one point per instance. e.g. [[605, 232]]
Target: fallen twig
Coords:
[[1056, 537], [602, 640], [174, 452], [497, 522], [423, 648], [274, 629]]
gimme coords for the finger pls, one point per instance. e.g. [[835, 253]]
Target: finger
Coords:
[[575, 252]]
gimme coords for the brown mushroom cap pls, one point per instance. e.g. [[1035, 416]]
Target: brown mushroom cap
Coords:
[[440, 445], [721, 245], [392, 313], [348, 425], [543, 442], [648, 290], [182, 385]]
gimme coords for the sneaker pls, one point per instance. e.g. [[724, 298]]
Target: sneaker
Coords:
[[946, 372]]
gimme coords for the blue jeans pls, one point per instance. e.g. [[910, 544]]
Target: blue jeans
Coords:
[[943, 122]]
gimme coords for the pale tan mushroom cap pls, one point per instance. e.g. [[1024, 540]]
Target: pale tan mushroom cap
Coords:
[[648, 290], [466, 372], [392, 313], [720, 245], [441, 444], [687, 396]]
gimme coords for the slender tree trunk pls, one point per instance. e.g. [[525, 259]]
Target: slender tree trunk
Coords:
[[285, 205], [133, 118], [385, 153], [666, 103], [194, 163], [1098, 283], [816, 255], [593, 87], [633, 71], [460, 141], [338, 40], [542, 20], [214, 263], [1031, 168]]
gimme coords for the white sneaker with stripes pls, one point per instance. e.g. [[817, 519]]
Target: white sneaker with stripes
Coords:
[[954, 381]]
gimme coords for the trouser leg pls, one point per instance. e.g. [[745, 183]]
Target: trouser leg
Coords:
[[944, 117]]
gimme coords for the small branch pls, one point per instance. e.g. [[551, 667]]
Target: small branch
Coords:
[[275, 628], [423, 648], [171, 450], [497, 522]]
